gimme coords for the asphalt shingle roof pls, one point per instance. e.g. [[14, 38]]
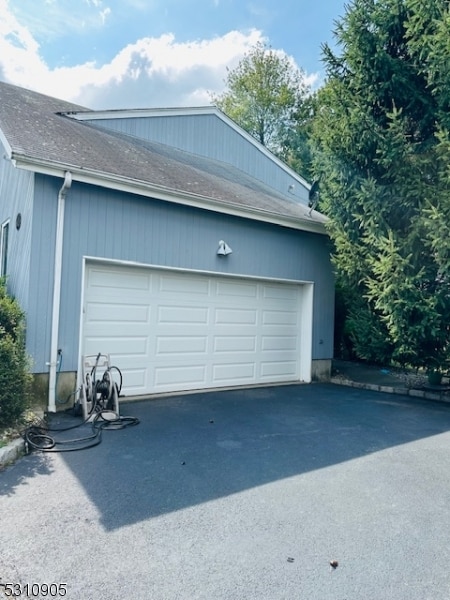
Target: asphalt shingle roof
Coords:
[[38, 127]]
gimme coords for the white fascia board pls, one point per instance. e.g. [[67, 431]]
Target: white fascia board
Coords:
[[262, 148], [129, 113], [142, 188], [175, 112]]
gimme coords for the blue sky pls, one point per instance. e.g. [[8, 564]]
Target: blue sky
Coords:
[[147, 53]]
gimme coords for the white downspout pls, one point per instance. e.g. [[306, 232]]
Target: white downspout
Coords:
[[53, 364]]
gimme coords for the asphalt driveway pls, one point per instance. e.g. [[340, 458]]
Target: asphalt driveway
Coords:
[[243, 494]]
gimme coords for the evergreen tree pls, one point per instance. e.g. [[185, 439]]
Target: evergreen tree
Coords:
[[382, 151]]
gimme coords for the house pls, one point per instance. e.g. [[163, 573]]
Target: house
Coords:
[[170, 239]]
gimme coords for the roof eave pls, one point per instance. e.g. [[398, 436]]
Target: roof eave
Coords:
[[143, 188]]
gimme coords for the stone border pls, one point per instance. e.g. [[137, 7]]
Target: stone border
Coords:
[[11, 452], [402, 391]]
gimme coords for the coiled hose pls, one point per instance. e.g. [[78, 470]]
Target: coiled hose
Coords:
[[37, 436]]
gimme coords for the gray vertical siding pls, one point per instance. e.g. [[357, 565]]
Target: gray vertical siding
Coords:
[[113, 225], [42, 269], [16, 196], [210, 136]]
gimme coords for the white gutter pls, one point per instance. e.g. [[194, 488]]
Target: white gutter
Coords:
[[53, 364], [314, 222]]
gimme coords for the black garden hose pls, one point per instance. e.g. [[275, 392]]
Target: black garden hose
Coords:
[[37, 436]]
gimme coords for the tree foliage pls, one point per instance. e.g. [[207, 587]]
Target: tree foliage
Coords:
[[382, 151], [295, 147], [264, 95]]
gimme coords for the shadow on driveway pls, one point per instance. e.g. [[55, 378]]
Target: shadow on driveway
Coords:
[[40, 465], [196, 448]]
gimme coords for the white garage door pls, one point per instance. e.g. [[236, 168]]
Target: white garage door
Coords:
[[171, 330]]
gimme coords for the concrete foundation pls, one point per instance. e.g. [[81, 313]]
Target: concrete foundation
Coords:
[[321, 370], [65, 387], [67, 381]]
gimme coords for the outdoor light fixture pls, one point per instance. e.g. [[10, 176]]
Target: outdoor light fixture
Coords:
[[223, 249]]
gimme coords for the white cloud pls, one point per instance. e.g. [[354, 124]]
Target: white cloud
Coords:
[[152, 71], [98, 6], [54, 19], [13, 32], [163, 72], [149, 72], [104, 13]]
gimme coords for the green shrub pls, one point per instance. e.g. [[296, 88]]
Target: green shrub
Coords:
[[359, 332], [15, 379], [11, 315], [369, 338]]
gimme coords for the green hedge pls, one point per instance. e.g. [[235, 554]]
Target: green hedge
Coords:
[[15, 379]]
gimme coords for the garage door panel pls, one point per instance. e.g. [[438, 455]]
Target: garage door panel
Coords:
[[167, 331], [281, 356], [175, 345], [234, 373], [278, 369], [200, 286], [234, 343], [277, 343], [280, 293], [136, 379], [234, 316], [181, 374], [279, 317], [116, 329], [118, 279], [180, 315], [134, 313], [170, 331], [236, 290], [125, 346]]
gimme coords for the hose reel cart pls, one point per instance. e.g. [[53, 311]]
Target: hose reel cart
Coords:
[[98, 402], [99, 391]]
